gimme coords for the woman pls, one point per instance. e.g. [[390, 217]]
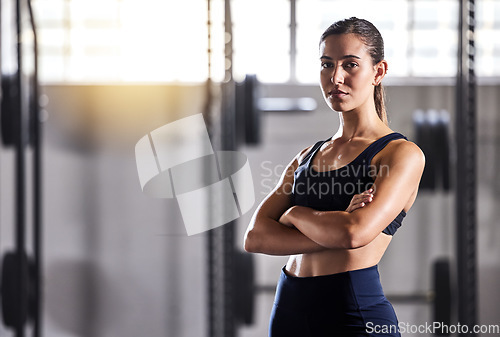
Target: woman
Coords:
[[339, 202]]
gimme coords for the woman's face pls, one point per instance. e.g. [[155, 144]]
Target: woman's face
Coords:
[[348, 75]]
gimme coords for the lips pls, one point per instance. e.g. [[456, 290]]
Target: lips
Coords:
[[337, 93]]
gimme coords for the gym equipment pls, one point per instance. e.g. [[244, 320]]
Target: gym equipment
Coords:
[[441, 308], [14, 311], [250, 106], [431, 129], [20, 129], [244, 278], [465, 134], [221, 250], [248, 114]]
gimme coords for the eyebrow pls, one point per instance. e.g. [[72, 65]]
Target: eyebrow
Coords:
[[342, 58]]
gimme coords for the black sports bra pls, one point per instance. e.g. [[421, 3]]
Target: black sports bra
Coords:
[[333, 190]]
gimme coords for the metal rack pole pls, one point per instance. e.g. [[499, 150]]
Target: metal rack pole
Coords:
[[466, 169]]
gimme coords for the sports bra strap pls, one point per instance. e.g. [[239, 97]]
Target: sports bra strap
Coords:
[[368, 153], [312, 151], [379, 144]]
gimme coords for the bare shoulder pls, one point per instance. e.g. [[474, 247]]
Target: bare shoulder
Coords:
[[403, 152], [302, 154]]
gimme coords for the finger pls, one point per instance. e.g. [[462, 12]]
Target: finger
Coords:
[[368, 191], [363, 202], [366, 196], [359, 204], [356, 206], [363, 197]]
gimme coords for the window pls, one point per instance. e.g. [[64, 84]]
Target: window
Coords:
[[261, 41], [159, 40], [166, 40], [115, 41], [488, 38], [420, 36]]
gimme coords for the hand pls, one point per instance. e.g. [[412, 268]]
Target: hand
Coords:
[[360, 200], [285, 218]]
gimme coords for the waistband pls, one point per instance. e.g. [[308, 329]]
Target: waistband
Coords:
[[364, 272], [353, 289]]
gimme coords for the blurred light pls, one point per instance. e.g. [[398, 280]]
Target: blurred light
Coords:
[[261, 40], [166, 40], [123, 41]]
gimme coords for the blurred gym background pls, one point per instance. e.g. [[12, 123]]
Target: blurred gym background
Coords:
[[86, 253]]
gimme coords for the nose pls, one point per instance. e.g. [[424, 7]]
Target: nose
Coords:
[[337, 76]]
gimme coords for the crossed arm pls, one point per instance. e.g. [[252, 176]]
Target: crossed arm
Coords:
[[266, 234], [279, 228]]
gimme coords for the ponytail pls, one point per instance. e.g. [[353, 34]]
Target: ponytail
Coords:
[[379, 97]]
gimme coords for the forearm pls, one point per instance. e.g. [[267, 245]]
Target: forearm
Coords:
[[332, 229], [272, 238]]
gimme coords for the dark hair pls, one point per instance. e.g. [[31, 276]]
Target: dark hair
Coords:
[[371, 37]]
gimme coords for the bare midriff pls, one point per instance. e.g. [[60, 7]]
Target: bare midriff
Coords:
[[332, 261]]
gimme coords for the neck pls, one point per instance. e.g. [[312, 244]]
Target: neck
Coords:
[[358, 124]]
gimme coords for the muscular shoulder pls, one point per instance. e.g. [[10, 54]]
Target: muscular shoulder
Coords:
[[302, 154], [402, 152]]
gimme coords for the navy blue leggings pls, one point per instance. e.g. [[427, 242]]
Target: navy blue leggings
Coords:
[[348, 304]]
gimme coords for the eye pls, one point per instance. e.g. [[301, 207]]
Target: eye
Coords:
[[326, 65], [350, 65]]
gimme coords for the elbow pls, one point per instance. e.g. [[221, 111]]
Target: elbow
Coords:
[[346, 240], [250, 244], [354, 241], [354, 237], [348, 237]]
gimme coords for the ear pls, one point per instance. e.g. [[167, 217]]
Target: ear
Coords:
[[380, 71]]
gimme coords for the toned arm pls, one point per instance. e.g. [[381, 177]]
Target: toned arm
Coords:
[[265, 234]]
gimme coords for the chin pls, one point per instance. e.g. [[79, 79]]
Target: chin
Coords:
[[338, 107]]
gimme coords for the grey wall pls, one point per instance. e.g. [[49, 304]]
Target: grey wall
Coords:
[[118, 263]]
